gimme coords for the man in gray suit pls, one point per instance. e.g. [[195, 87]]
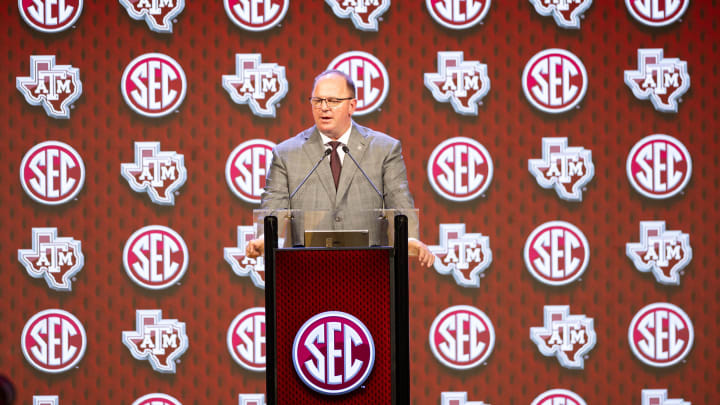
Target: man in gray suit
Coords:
[[338, 186]]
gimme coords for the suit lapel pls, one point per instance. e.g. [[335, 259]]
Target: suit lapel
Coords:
[[357, 145], [314, 148]]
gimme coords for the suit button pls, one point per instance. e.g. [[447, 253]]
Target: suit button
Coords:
[[338, 219]]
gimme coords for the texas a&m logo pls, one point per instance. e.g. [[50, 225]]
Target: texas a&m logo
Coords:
[[259, 85], [242, 265], [462, 83], [46, 400], [660, 397], [458, 14], [566, 13], [460, 169], [251, 399], [565, 168], [659, 166], [371, 79], [363, 13], [156, 399], [57, 259], [657, 13], [246, 168], [52, 173], [158, 14], [256, 15], [157, 173], [464, 255], [160, 341], [153, 85], [661, 335], [54, 87], [554, 81], [558, 396], [53, 341], [333, 353], [457, 398], [567, 337], [462, 337], [664, 253], [50, 16], [155, 257], [662, 80], [556, 253], [246, 339]]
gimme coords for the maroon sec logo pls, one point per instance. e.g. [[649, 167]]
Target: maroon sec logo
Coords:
[[661, 334], [50, 15], [153, 85], [460, 169], [53, 341], [458, 14], [246, 168], [659, 166], [246, 339], [256, 15], [370, 76], [155, 257], [52, 173], [657, 13], [556, 253], [462, 337], [558, 397], [554, 81], [333, 353], [156, 399]]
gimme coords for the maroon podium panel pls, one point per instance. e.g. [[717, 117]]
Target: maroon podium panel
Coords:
[[356, 282]]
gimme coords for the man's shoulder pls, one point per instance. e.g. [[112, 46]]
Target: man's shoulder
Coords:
[[376, 137], [296, 141]]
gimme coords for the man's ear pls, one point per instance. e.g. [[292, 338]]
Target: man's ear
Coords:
[[353, 106]]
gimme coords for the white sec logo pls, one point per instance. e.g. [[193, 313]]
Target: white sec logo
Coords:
[[52, 173], [659, 166], [458, 14], [156, 399], [256, 15], [246, 168], [53, 341], [153, 85], [50, 15], [460, 169], [246, 339], [558, 396], [554, 81], [661, 334], [556, 253], [155, 257], [462, 337], [370, 76], [657, 13]]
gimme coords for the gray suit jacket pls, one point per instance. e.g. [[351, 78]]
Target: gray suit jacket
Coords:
[[378, 154]]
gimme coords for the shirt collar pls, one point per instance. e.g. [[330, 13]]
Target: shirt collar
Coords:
[[344, 139]]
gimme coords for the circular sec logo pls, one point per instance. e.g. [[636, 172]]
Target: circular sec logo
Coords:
[[558, 397], [333, 353], [370, 76], [462, 337], [156, 399], [554, 81], [246, 168], [458, 14], [50, 15], [657, 13], [246, 339], [659, 166], [155, 257], [53, 341], [52, 173], [661, 334], [460, 169], [256, 15], [556, 253], [153, 85]]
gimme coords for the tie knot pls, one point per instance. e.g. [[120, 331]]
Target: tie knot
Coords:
[[334, 145]]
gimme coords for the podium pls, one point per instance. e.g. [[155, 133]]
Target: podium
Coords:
[[337, 317]]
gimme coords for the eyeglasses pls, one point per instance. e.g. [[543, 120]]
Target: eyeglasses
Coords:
[[332, 102]]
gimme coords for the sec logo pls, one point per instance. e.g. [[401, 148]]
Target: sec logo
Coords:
[[659, 166], [53, 341], [458, 14], [156, 399], [460, 169], [246, 168], [462, 337], [558, 397], [554, 81], [155, 257], [256, 15], [657, 13], [556, 253], [333, 353], [661, 335], [246, 339], [52, 173], [50, 15], [153, 85], [370, 76]]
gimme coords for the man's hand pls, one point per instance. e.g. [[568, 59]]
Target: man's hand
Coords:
[[255, 248], [419, 249]]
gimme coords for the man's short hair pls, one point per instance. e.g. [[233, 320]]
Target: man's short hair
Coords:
[[348, 80]]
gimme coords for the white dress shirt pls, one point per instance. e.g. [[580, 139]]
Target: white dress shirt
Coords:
[[344, 139]]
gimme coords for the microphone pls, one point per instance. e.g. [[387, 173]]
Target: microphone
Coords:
[[327, 152], [347, 152]]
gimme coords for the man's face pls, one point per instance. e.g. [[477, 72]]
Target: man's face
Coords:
[[333, 122]]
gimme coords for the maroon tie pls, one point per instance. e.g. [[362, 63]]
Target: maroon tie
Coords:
[[335, 165]]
